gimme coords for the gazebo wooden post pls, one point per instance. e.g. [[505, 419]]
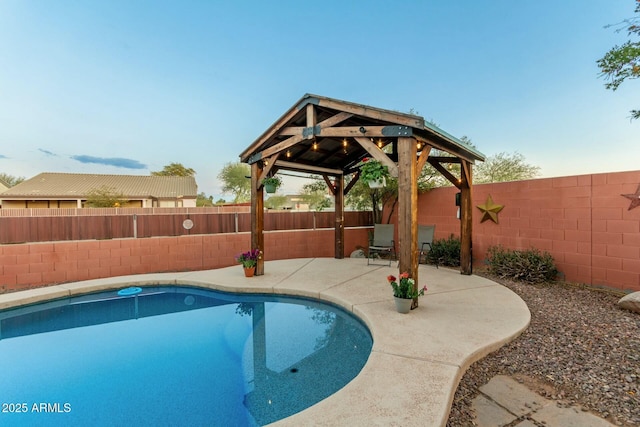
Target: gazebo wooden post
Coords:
[[339, 216], [408, 208], [466, 216], [257, 215]]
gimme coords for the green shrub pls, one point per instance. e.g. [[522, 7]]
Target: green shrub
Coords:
[[529, 266], [445, 252]]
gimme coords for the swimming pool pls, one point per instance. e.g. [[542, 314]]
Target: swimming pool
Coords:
[[174, 356]]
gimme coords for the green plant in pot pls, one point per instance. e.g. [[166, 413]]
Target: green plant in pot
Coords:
[[271, 184], [373, 172], [404, 291], [249, 260]]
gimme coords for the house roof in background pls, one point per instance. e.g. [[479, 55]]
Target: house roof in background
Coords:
[[76, 185]]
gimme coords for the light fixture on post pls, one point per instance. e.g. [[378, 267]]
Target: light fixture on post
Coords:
[[315, 144], [419, 145], [379, 143], [288, 154]]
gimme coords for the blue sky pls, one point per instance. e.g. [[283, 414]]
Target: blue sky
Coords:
[[126, 87]]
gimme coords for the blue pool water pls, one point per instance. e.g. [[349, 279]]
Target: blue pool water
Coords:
[[173, 356]]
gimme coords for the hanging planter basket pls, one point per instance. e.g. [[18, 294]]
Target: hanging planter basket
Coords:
[[380, 183], [271, 184], [373, 173], [270, 188]]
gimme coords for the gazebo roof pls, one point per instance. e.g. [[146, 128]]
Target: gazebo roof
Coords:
[[333, 136]]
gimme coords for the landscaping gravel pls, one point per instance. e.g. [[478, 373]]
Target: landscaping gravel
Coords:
[[580, 349]]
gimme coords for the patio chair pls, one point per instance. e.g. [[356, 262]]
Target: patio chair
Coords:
[[383, 244], [425, 240]]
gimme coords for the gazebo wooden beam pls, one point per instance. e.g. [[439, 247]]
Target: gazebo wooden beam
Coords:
[[353, 182], [277, 148], [300, 167], [423, 157], [327, 123], [378, 154], [465, 172], [273, 130], [311, 115], [372, 113], [452, 179], [347, 131], [268, 166], [458, 152], [446, 159], [335, 119], [330, 185]]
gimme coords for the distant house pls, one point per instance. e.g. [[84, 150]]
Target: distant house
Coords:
[[3, 186], [297, 202], [71, 190]]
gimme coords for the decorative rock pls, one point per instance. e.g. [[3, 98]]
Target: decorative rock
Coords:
[[630, 302], [358, 253]]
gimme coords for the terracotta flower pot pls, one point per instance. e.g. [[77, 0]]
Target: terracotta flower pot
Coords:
[[249, 271]]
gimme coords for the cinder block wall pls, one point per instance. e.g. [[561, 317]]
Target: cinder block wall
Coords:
[[583, 221], [23, 266]]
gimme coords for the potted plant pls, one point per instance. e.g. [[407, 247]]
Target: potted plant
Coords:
[[271, 183], [373, 172], [249, 260], [404, 291]]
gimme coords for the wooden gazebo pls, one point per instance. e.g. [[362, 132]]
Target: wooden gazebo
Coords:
[[330, 137]]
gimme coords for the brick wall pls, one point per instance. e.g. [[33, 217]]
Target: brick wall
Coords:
[[36, 264], [583, 221]]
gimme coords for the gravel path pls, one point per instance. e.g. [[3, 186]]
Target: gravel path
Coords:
[[580, 349]]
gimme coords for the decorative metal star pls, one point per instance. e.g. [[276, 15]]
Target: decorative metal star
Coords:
[[635, 198], [490, 210]]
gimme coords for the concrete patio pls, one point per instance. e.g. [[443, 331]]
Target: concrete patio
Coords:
[[417, 358]]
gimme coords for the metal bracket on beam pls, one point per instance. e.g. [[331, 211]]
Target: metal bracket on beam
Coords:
[[397, 131], [311, 131], [256, 157], [307, 100]]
